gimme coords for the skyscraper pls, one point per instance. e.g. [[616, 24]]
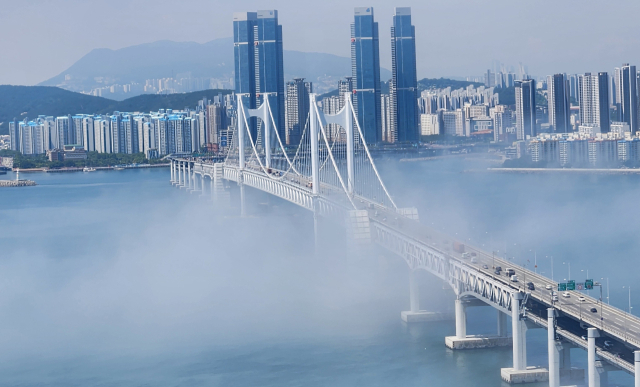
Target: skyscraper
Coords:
[[525, 108], [269, 65], [404, 85], [629, 96], [594, 100], [297, 109], [365, 66], [559, 105], [244, 24], [258, 57]]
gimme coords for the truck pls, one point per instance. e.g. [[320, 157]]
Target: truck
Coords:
[[458, 247]]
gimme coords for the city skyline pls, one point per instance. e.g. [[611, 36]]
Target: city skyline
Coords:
[[542, 52]]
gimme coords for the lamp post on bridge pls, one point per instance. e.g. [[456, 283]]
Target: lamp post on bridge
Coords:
[[608, 302], [626, 321], [601, 317]]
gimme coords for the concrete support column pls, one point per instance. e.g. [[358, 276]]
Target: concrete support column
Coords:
[[566, 358], [636, 359], [189, 174], [213, 193], [243, 212], [554, 356], [594, 376], [171, 167], [461, 320], [316, 237], [414, 292], [179, 173], [519, 332], [502, 324]]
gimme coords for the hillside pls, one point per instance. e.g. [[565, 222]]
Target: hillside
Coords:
[[167, 59], [21, 102]]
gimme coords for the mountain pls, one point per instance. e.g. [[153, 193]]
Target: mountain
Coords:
[[22, 102], [167, 59]]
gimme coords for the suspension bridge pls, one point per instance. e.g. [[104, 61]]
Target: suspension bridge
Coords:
[[331, 173]]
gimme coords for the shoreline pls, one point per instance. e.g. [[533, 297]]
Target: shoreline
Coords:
[[601, 171], [77, 169]]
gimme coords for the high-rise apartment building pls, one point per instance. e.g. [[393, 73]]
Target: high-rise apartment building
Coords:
[[594, 100], [559, 103], [269, 65], [388, 127], [404, 85], [244, 25], [297, 109], [525, 108], [629, 96], [258, 58], [365, 66]]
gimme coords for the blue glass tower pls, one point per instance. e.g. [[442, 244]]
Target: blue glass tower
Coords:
[[269, 65], [244, 24], [259, 69], [404, 85], [365, 67]]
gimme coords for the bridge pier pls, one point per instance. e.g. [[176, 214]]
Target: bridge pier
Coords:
[[415, 315], [194, 187], [553, 348], [502, 324], [243, 210], [172, 172], [462, 341], [184, 175], [520, 373], [636, 362], [597, 372]]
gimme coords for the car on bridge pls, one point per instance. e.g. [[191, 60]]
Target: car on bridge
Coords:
[[593, 310], [581, 299], [566, 295], [531, 286]]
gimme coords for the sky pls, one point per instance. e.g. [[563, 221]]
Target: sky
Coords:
[[42, 38]]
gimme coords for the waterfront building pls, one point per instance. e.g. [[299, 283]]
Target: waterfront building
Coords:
[[629, 96], [559, 104], [365, 65], [389, 133], [453, 122], [594, 100], [269, 65], [430, 124], [525, 109], [259, 68], [244, 25], [297, 107], [404, 83]]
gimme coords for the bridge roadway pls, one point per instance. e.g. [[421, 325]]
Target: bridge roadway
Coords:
[[575, 316], [621, 328]]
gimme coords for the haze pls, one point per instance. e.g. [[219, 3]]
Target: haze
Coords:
[[42, 38]]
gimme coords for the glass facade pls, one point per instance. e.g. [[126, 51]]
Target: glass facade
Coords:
[[269, 65], [244, 24], [259, 69], [404, 85], [365, 63]]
